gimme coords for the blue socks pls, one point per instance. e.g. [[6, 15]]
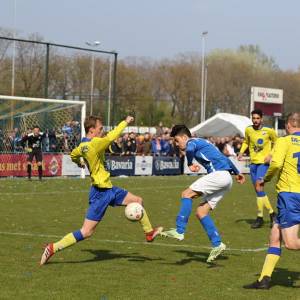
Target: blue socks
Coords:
[[260, 194], [211, 230], [206, 222], [184, 213], [78, 235]]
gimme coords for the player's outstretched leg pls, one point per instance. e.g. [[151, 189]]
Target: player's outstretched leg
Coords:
[[211, 230], [182, 217], [150, 232], [68, 240]]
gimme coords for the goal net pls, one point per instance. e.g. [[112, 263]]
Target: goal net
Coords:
[[61, 121]]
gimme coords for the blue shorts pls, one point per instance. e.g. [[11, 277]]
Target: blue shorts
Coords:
[[100, 199], [258, 171], [288, 205]]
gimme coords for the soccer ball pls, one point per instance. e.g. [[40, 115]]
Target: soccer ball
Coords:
[[134, 211]]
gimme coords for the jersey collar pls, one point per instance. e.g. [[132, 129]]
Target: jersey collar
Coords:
[[85, 139], [296, 133]]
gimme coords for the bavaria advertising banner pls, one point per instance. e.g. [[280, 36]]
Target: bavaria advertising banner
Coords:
[[16, 165], [166, 165], [120, 165]]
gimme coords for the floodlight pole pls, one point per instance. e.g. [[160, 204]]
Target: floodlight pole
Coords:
[[114, 89], [202, 118], [47, 71], [109, 92], [92, 44]]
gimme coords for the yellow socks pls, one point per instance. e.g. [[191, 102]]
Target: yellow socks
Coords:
[[261, 203], [145, 222], [260, 206], [68, 240], [271, 260], [267, 204]]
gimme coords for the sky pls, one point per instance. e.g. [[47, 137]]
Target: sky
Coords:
[[162, 28]]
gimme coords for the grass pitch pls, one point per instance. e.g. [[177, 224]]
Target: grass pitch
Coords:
[[116, 263]]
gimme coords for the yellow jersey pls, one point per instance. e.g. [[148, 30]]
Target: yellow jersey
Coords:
[[286, 160], [260, 143], [93, 153]]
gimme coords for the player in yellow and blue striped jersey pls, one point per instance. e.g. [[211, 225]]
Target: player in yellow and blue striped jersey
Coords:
[[102, 193], [260, 140], [286, 162]]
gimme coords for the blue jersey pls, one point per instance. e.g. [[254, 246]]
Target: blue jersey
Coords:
[[208, 156]]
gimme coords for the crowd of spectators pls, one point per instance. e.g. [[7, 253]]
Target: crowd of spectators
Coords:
[[66, 138]]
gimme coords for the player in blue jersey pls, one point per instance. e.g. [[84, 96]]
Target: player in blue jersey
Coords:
[[210, 187]]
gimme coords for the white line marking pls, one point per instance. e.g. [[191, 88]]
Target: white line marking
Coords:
[[179, 245]]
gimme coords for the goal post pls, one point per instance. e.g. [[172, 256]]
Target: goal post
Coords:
[[61, 120]]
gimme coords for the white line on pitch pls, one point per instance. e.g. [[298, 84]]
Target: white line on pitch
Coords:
[[179, 245]]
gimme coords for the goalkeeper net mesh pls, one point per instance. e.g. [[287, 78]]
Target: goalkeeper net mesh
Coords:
[[60, 120]]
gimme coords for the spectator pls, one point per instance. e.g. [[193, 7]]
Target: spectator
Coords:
[[130, 145], [67, 128], [53, 141], [139, 144], [147, 145], [116, 148], [165, 145], [159, 129], [156, 146]]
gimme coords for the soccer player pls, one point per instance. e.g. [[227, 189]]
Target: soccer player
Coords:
[[102, 192], [260, 140], [286, 162], [34, 149], [211, 187]]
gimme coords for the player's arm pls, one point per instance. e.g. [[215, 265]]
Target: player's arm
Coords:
[[245, 144], [240, 178], [76, 156], [189, 152], [23, 143], [102, 143], [273, 138], [278, 157]]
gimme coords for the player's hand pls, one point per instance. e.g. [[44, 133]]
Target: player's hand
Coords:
[[81, 165], [194, 168], [240, 156], [240, 178], [129, 119], [268, 159], [259, 185]]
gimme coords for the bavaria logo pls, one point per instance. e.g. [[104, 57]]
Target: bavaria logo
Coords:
[[119, 165], [165, 165]]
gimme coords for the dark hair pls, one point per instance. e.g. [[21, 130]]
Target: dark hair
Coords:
[[257, 112], [36, 126], [90, 122], [180, 130]]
